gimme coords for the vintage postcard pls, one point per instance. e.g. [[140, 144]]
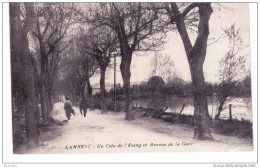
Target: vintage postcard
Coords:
[[134, 77]]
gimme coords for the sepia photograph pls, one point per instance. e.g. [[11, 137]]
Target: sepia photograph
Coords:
[[130, 77]]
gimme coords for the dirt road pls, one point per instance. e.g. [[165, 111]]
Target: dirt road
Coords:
[[111, 133]]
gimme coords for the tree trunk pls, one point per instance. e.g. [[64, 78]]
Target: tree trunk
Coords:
[[15, 28], [126, 74], [230, 113], [91, 102], [22, 47], [220, 108], [201, 114], [103, 90], [126, 59], [46, 100], [51, 100], [196, 55], [81, 97], [90, 96], [44, 79], [31, 109], [48, 105], [43, 101]]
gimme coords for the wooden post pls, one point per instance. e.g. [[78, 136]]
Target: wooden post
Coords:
[[160, 114], [115, 82], [230, 112], [182, 108]]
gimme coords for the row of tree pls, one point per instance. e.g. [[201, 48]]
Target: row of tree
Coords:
[[220, 93], [57, 47], [39, 36], [179, 87], [142, 27], [139, 27], [23, 82]]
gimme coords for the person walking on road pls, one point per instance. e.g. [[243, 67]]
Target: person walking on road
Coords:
[[68, 108]]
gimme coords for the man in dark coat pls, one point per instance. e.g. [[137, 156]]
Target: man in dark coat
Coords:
[[83, 107], [68, 108]]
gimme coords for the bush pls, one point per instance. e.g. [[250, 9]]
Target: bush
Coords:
[[155, 84], [96, 102], [176, 91], [147, 94], [242, 129], [110, 105], [184, 119], [19, 129], [119, 106]]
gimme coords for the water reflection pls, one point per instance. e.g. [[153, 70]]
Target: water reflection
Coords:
[[241, 107]]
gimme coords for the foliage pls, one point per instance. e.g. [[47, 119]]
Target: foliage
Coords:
[[110, 104], [231, 69], [25, 117], [155, 84], [137, 28], [180, 14], [242, 129], [140, 23], [49, 40], [162, 65], [19, 129]]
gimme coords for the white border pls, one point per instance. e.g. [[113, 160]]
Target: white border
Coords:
[[129, 157]]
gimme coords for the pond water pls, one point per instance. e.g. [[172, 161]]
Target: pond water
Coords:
[[241, 107]]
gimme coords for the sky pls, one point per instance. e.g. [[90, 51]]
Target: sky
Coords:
[[230, 13]]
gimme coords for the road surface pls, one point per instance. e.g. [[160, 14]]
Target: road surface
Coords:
[[101, 133]]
